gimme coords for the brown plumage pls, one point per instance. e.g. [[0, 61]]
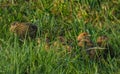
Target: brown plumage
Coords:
[[23, 30], [102, 41], [84, 40], [100, 50]]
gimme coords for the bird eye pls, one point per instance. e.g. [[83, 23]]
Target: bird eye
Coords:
[[85, 34]]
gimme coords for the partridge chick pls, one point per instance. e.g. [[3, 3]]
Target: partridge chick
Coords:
[[102, 41], [23, 30], [84, 40], [100, 50]]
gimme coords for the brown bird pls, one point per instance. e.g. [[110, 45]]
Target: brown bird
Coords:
[[23, 29], [84, 40], [102, 41], [100, 50]]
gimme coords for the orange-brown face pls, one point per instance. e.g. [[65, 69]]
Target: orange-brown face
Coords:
[[82, 36]]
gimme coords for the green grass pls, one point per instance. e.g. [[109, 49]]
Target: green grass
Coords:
[[56, 18]]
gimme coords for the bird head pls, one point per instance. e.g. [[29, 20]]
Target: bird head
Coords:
[[102, 40], [13, 26], [82, 36]]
